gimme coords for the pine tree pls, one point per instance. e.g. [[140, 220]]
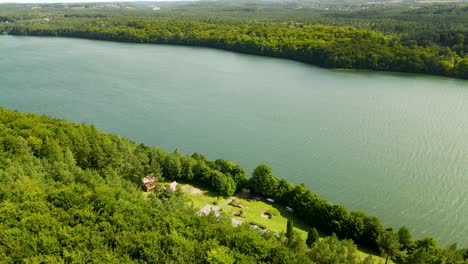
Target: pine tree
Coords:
[[312, 237], [290, 230]]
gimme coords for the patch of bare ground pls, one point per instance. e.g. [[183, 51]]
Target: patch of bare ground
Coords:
[[191, 190], [265, 215]]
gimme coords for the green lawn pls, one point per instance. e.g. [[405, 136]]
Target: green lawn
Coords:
[[253, 211]]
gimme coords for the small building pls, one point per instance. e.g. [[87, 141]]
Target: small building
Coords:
[[46, 19], [173, 186], [149, 182]]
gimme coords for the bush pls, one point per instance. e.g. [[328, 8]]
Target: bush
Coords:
[[273, 212]]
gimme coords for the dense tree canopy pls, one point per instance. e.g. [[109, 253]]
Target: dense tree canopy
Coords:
[[392, 43], [69, 193]]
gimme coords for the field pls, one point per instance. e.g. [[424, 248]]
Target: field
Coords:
[[253, 211]]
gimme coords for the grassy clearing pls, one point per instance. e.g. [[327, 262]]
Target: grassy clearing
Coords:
[[253, 211]]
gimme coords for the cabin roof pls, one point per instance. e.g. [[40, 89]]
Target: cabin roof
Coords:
[[173, 186]]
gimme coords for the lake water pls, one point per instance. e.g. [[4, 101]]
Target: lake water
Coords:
[[394, 145]]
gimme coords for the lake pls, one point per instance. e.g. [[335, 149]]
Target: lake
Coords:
[[393, 145]]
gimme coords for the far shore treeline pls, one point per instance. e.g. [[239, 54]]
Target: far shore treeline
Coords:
[[66, 188], [337, 40]]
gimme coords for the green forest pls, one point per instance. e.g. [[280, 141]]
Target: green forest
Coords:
[[69, 193], [429, 39]]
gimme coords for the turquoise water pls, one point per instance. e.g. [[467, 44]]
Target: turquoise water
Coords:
[[394, 145]]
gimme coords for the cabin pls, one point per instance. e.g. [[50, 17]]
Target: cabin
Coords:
[[149, 182], [173, 186]]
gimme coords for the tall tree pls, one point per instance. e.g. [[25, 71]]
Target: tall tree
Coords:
[[235, 171], [262, 181], [331, 250], [388, 244], [222, 184], [312, 237], [289, 229], [171, 166], [404, 237]]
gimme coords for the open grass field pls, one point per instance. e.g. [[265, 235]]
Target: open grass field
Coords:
[[253, 211]]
